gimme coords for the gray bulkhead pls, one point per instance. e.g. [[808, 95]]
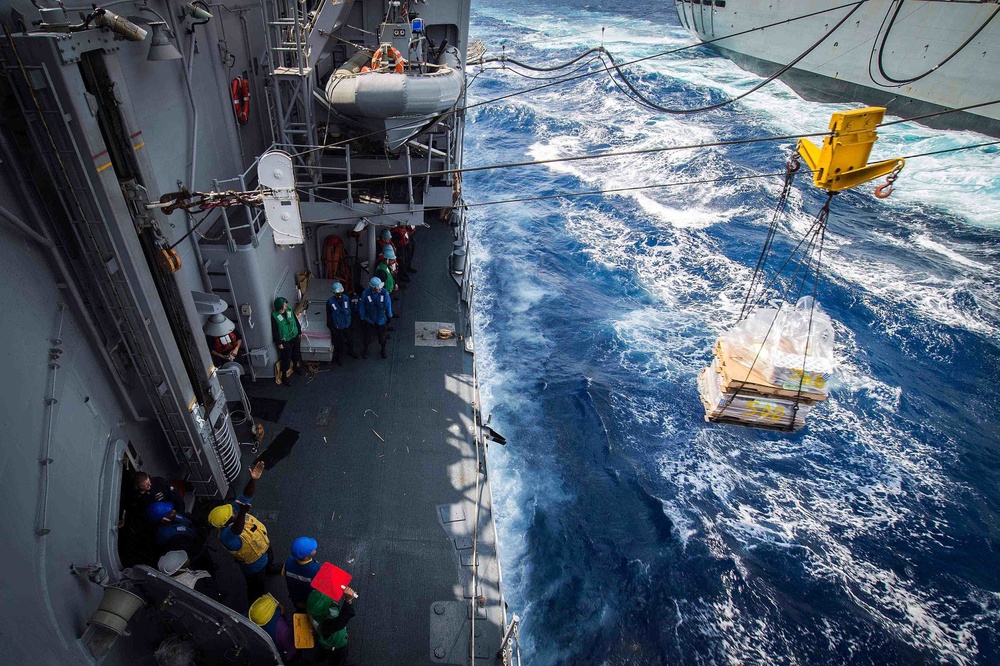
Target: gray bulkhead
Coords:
[[70, 394], [74, 393]]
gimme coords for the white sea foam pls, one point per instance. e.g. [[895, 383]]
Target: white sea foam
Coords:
[[869, 478], [959, 258]]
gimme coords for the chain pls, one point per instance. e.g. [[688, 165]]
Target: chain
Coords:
[[200, 202], [883, 191]]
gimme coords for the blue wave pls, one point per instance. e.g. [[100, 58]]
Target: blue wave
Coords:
[[631, 531]]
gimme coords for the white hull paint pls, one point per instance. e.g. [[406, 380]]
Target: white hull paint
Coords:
[[845, 67]]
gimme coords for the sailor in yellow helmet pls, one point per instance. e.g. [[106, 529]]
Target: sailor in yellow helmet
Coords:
[[269, 615], [246, 537]]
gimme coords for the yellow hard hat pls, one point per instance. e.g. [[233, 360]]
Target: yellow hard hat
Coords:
[[262, 610], [220, 515]]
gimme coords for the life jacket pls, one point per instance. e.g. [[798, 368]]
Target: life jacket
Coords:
[[255, 542], [335, 265], [288, 327], [376, 307], [390, 281], [338, 312], [299, 577], [401, 236], [224, 344], [335, 640]]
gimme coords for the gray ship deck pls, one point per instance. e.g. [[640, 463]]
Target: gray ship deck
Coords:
[[396, 511]]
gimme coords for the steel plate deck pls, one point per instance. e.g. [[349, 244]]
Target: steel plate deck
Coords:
[[369, 481]]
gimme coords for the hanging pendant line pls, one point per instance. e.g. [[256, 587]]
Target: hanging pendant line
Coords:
[[822, 218], [809, 236], [810, 260], [792, 167]]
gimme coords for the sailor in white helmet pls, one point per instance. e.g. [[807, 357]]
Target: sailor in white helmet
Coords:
[[338, 320], [175, 564], [375, 311], [223, 340]]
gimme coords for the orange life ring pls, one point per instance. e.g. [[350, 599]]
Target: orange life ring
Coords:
[[388, 49], [240, 91]]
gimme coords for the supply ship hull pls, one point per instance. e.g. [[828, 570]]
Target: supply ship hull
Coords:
[[914, 57], [165, 164]]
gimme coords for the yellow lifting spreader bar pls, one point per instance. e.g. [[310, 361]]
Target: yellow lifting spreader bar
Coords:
[[842, 162]]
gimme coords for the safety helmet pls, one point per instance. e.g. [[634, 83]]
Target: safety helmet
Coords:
[[157, 511], [303, 547], [278, 302], [219, 325], [262, 610], [388, 252], [172, 562], [337, 288], [220, 515], [375, 283], [386, 234]]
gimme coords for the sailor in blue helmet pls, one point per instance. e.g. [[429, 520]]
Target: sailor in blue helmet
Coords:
[[300, 569], [384, 239], [338, 320], [375, 310], [173, 530]]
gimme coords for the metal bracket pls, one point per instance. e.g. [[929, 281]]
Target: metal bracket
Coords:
[[842, 162]]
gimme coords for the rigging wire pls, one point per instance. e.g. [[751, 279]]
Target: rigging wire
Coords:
[[939, 113], [649, 103], [885, 38], [792, 167], [525, 91], [540, 78], [633, 188], [592, 156], [192, 230], [811, 257], [638, 151], [652, 150], [679, 49]]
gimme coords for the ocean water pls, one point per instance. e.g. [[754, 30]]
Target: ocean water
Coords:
[[633, 532]]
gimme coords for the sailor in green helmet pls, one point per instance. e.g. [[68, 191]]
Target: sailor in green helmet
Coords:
[[329, 621], [285, 331]]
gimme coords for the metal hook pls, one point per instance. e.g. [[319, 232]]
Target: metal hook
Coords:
[[883, 191]]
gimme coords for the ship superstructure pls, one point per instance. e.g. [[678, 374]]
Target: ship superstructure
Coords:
[[164, 162], [915, 57]]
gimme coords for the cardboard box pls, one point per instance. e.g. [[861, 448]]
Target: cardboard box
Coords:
[[772, 412], [737, 376]]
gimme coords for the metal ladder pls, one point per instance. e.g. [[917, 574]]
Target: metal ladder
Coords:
[[292, 74], [54, 142]]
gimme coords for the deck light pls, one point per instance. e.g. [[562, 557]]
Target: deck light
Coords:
[[161, 46]]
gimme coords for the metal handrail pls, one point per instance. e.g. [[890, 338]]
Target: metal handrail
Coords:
[[41, 526]]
